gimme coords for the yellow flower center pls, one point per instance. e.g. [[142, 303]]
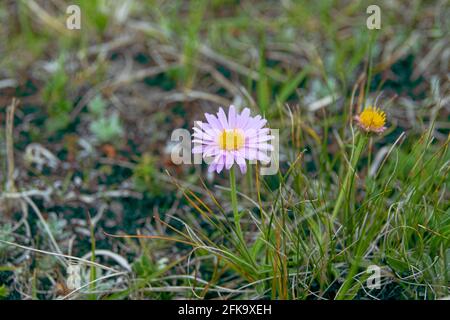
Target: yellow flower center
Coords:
[[231, 139], [372, 118]]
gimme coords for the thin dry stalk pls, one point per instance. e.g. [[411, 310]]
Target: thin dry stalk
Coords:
[[10, 185]]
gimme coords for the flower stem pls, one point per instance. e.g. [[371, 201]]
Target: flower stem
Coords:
[[348, 180], [237, 218], [234, 202]]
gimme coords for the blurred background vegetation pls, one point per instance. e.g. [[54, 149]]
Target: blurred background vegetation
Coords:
[[90, 135]]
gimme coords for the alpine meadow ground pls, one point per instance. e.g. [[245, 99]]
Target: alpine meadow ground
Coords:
[[355, 119]]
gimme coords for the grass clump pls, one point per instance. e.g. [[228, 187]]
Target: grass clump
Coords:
[[93, 207]]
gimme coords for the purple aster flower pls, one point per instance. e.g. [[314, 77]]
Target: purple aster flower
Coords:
[[232, 139]]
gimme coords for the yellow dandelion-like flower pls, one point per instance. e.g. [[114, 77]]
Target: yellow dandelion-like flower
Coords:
[[371, 120]]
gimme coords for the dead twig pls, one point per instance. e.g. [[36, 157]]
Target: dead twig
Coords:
[[10, 185]]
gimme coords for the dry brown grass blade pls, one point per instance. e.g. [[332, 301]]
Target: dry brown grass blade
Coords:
[[47, 19], [9, 205], [137, 236], [10, 185]]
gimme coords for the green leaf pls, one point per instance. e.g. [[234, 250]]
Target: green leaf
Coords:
[[97, 106], [397, 265], [3, 292], [107, 129]]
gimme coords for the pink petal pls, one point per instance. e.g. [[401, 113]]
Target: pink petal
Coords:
[[249, 153], [223, 119], [254, 132], [220, 164], [232, 117], [199, 132], [203, 138], [262, 157], [260, 146], [213, 121], [243, 118], [212, 167], [197, 149], [205, 142], [211, 151], [229, 160], [261, 123], [252, 123], [256, 139], [240, 160]]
